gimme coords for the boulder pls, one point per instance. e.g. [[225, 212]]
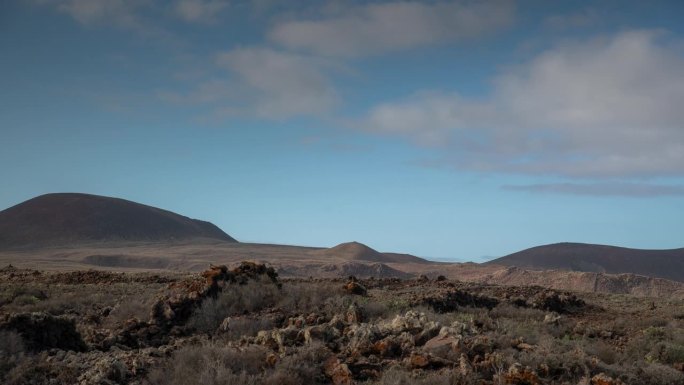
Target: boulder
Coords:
[[411, 322], [387, 347], [430, 330], [267, 339], [355, 288], [425, 361], [443, 345], [338, 372], [288, 337], [324, 333], [361, 338]]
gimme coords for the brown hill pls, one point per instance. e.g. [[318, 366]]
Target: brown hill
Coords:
[[355, 251], [667, 264], [66, 218]]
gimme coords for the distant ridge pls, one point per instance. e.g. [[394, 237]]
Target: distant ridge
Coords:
[[70, 218], [355, 251], [584, 257]]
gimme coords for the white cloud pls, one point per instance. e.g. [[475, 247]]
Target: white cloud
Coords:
[[199, 11], [139, 16], [637, 190], [606, 107], [392, 26], [579, 19], [98, 11], [278, 85]]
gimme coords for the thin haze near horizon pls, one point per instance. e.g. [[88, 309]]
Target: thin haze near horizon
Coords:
[[453, 130]]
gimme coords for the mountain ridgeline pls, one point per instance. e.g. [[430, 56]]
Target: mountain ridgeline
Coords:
[[667, 264], [70, 218]]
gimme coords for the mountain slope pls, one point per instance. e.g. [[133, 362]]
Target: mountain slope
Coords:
[[64, 218], [355, 251], [599, 259]]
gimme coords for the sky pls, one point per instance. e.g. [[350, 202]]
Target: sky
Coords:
[[452, 130]]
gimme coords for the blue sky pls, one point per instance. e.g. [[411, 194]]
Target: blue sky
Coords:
[[447, 129]]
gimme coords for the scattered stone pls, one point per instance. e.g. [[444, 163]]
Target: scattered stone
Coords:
[[517, 375], [387, 347], [225, 324], [603, 379], [552, 318], [338, 372], [361, 338], [412, 322], [271, 359], [452, 300], [419, 361], [430, 330], [524, 346], [443, 345], [324, 333], [354, 314], [298, 322], [354, 287], [337, 322], [557, 302]]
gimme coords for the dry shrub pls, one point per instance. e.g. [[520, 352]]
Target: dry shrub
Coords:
[[657, 374], [34, 371], [512, 329], [378, 310], [11, 351], [247, 327], [506, 310], [398, 376], [234, 300], [211, 365], [666, 352], [600, 350], [308, 297], [221, 365], [130, 308], [305, 366]]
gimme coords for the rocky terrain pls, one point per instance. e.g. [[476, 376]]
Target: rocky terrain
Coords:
[[248, 325], [304, 262]]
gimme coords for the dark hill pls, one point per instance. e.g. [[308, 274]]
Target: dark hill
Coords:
[[65, 218], [599, 258], [355, 251]]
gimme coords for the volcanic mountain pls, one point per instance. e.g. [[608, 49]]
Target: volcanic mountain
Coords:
[[70, 218], [355, 251], [599, 258]]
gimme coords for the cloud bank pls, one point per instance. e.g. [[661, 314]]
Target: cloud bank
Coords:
[[392, 26], [278, 85], [638, 190], [608, 107]]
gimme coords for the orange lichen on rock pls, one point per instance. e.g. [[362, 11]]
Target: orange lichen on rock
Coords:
[[338, 372], [518, 375], [603, 379]]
